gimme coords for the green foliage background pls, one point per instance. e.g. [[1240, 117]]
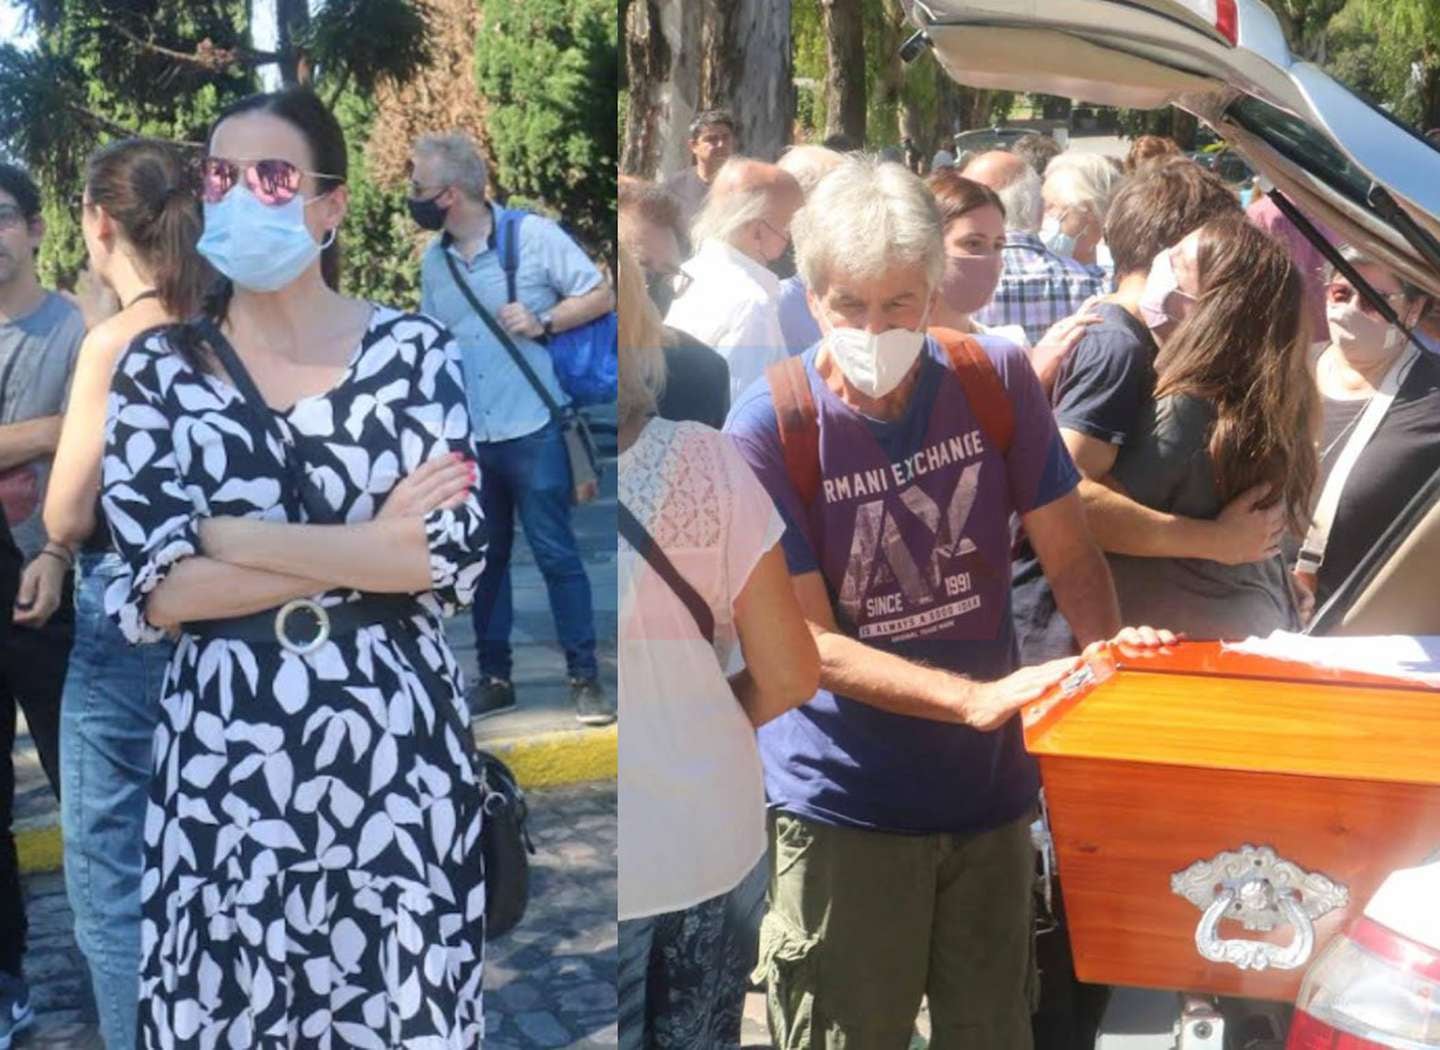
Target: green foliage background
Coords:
[[549, 71]]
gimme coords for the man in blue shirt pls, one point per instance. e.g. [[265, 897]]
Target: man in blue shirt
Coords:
[[901, 795], [524, 466]]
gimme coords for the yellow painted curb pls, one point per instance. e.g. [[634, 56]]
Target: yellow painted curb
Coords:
[[569, 756], [565, 757], [39, 849]]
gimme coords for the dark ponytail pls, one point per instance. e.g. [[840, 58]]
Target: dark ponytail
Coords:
[[152, 195], [303, 110]]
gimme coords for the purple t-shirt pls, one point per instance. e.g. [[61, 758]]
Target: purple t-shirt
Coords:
[[911, 530]]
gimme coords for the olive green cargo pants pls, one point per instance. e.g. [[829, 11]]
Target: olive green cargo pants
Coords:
[[862, 924]]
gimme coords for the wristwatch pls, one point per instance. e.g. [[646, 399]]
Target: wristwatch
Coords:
[[547, 322]]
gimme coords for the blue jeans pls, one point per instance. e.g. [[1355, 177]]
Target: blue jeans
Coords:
[[530, 476], [107, 721]]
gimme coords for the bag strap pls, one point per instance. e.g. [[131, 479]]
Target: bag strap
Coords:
[[5, 377], [507, 237], [983, 389], [1312, 551], [799, 421], [645, 545], [316, 506], [498, 332]]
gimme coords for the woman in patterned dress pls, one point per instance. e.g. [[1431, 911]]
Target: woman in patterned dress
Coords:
[[311, 846]]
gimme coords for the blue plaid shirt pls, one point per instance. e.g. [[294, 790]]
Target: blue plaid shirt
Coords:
[[1038, 287]]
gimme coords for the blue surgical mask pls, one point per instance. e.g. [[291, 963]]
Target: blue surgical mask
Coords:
[[262, 248], [1055, 238]]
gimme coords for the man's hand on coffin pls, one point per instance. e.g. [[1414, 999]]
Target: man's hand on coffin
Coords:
[[992, 704], [1133, 638]]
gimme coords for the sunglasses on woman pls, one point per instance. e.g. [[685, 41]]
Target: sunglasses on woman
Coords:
[[1341, 294], [274, 182]]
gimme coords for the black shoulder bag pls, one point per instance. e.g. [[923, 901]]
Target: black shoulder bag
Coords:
[[579, 444], [505, 844]]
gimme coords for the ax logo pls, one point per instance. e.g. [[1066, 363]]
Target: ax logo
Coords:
[[881, 558]]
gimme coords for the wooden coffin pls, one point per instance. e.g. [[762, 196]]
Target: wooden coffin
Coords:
[[1165, 760]]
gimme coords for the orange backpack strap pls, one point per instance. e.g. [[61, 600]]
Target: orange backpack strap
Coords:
[[799, 424], [982, 386]]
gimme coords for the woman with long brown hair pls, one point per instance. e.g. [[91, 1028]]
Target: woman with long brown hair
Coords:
[[1234, 407], [141, 219]]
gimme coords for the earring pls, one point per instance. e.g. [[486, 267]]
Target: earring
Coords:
[[330, 238]]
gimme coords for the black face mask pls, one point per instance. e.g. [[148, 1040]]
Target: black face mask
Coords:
[[784, 266], [426, 213], [661, 288]]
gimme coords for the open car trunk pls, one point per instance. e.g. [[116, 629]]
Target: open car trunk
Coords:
[[1344, 163], [1339, 159]]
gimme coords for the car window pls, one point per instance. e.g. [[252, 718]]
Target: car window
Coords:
[[1304, 145], [1313, 151]]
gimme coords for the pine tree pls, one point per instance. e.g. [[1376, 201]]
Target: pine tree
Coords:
[[548, 71], [104, 69]]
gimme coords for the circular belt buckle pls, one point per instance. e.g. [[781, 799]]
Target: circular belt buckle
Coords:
[[322, 619]]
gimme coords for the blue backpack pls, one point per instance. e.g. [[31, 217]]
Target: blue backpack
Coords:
[[585, 358]]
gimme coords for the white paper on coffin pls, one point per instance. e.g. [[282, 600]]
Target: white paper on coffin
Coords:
[[1415, 658]]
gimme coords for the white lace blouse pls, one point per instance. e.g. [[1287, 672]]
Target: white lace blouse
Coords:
[[692, 803]]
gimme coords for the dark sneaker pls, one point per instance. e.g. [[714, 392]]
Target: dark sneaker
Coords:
[[493, 696], [16, 1013], [592, 706]]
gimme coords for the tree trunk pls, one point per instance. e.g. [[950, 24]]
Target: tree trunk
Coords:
[[748, 68], [1430, 97], [663, 73], [845, 80], [1183, 128], [291, 16]]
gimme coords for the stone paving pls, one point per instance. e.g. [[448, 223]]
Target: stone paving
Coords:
[[550, 983]]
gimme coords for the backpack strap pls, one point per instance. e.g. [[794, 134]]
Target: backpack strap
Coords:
[[799, 420], [507, 236], [799, 424], [982, 386]]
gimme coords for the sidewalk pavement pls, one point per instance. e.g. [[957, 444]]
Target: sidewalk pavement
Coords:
[[549, 983], [541, 740]]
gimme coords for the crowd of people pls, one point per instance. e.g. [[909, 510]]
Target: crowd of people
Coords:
[[981, 423], [239, 508]]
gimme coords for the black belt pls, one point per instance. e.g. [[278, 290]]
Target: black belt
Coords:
[[303, 625]]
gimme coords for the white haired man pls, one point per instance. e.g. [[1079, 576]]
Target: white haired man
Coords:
[[1037, 286], [523, 459], [901, 795], [809, 164], [728, 297], [1078, 190]]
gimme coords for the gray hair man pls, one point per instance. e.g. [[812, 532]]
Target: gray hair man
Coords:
[[809, 164], [728, 297], [1037, 286], [897, 479], [522, 447], [1077, 192]]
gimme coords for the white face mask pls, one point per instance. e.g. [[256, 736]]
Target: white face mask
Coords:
[[1360, 335], [876, 364]]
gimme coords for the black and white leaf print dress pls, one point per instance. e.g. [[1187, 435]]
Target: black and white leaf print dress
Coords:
[[311, 846]]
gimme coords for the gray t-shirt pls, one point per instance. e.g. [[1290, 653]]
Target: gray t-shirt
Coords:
[[37, 358], [1166, 465]]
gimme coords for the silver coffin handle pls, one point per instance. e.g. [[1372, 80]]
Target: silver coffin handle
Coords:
[[1255, 955]]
